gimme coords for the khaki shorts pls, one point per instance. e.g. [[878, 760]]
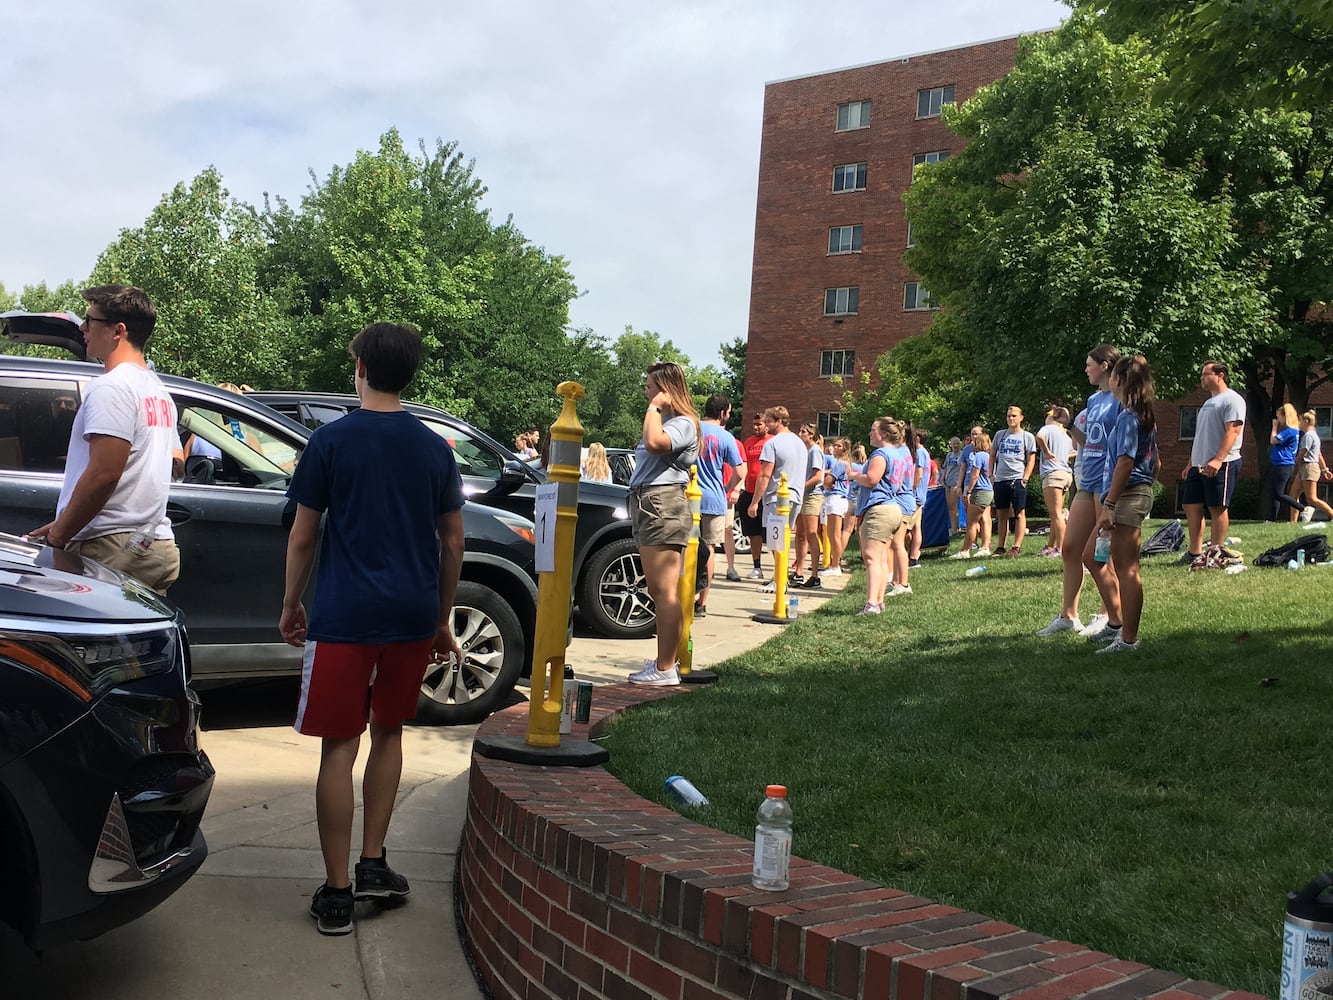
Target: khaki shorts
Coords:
[[1082, 494], [660, 515], [157, 569], [881, 522], [812, 505], [712, 528], [1308, 472], [1133, 505], [913, 519], [981, 498], [1058, 480]]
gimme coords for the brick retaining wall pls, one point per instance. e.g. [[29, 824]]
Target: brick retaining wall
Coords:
[[573, 887]]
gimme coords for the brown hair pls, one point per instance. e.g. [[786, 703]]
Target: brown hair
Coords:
[[128, 305], [670, 378], [1136, 389]]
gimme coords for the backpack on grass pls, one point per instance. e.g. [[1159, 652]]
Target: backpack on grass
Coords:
[[1315, 547], [1168, 538]]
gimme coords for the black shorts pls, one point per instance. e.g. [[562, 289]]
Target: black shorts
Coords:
[[1211, 491], [751, 527], [1011, 494]]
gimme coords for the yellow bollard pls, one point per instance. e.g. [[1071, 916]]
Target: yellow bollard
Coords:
[[553, 588], [689, 572], [825, 546], [779, 615]]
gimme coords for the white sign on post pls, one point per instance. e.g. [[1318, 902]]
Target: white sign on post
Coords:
[[773, 532], [544, 520]]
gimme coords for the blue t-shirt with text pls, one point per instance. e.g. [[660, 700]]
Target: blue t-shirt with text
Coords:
[[1129, 439], [717, 445]]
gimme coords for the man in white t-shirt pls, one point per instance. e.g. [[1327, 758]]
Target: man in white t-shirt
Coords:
[[113, 504], [784, 454]]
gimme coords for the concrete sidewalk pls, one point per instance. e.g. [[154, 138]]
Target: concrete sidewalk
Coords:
[[240, 928]]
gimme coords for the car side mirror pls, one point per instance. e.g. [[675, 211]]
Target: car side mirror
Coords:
[[514, 474]]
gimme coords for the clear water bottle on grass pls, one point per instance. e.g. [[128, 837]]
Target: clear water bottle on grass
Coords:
[[772, 841]]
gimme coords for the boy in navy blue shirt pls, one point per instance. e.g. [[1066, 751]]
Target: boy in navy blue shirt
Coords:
[[384, 594]]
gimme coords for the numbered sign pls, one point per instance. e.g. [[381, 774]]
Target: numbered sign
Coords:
[[544, 518], [773, 532]]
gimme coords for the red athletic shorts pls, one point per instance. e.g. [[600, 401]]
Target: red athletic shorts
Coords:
[[342, 683]]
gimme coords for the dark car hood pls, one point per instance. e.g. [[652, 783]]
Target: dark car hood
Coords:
[[39, 582]]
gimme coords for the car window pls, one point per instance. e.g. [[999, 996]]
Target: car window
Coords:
[[474, 458], [316, 415], [36, 416], [242, 453]]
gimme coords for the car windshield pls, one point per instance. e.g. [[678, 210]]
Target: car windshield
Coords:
[[473, 457]]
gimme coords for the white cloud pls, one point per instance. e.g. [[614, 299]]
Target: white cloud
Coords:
[[623, 136]]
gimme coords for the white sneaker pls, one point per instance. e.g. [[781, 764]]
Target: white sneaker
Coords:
[[1307, 514], [831, 571], [962, 554], [656, 678], [1118, 645], [980, 553], [755, 574], [1061, 624], [1108, 631], [769, 588], [1093, 627], [899, 589]]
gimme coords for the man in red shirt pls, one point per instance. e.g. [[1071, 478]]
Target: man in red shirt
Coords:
[[753, 527]]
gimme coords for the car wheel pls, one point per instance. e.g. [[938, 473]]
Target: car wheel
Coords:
[[486, 627], [613, 593], [741, 538]]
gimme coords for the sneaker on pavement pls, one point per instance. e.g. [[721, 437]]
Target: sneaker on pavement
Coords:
[[1061, 624], [870, 609], [733, 576], [1307, 514], [795, 580], [332, 910], [755, 574], [700, 611], [1108, 631], [769, 588], [653, 677], [376, 880], [832, 571], [1118, 645], [1097, 623], [810, 583]]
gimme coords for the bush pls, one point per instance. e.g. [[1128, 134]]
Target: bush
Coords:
[[1245, 499], [1036, 507], [1163, 500]]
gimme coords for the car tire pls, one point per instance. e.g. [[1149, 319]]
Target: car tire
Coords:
[[613, 593], [492, 640]]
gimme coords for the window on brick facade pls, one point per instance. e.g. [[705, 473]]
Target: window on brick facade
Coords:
[[929, 103], [829, 423], [935, 156], [1189, 415], [1323, 422], [911, 239], [837, 363], [852, 115], [844, 239], [915, 297], [849, 177], [841, 301]]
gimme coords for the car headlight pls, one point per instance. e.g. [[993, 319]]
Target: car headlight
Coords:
[[520, 526], [620, 514], [88, 665]]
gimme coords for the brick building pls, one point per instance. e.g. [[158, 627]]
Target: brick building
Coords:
[[829, 291]]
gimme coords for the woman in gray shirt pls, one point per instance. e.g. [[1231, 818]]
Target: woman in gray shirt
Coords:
[[659, 511]]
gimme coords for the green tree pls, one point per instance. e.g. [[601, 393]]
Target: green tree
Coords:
[[197, 256], [66, 296], [1273, 53], [8, 301]]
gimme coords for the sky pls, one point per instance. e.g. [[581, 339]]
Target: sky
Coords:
[[621, 136]]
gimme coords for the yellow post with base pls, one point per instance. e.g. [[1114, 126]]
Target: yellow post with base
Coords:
[[555, 534], [689, 579], [783, 513]]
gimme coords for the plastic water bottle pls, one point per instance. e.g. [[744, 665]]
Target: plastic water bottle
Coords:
[[684, 791], [1300, 559], [567, 697], [1102, 551], [793, 606], [1235, 568], [772, 841], [975, 571]]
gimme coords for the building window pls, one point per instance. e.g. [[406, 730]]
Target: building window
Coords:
[[837, 364], [844, 239], [935, 156], [1188, 416], [911, 239], [849, 177], [841, 301], [829, 423], [915, 297], [854, 114], [1323, 422], [929, 103]]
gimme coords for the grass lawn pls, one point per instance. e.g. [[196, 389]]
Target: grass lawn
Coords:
[[1155, 805]]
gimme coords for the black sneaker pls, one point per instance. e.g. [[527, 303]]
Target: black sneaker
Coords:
[[700, 611], [376, 880], [332, 909], [811, 584], [1187, 559]]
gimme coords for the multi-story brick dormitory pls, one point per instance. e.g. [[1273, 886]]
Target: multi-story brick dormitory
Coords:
[[829, 291]]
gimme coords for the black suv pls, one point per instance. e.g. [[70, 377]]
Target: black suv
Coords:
[[102, 779], [608, 582], [228, 517]]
